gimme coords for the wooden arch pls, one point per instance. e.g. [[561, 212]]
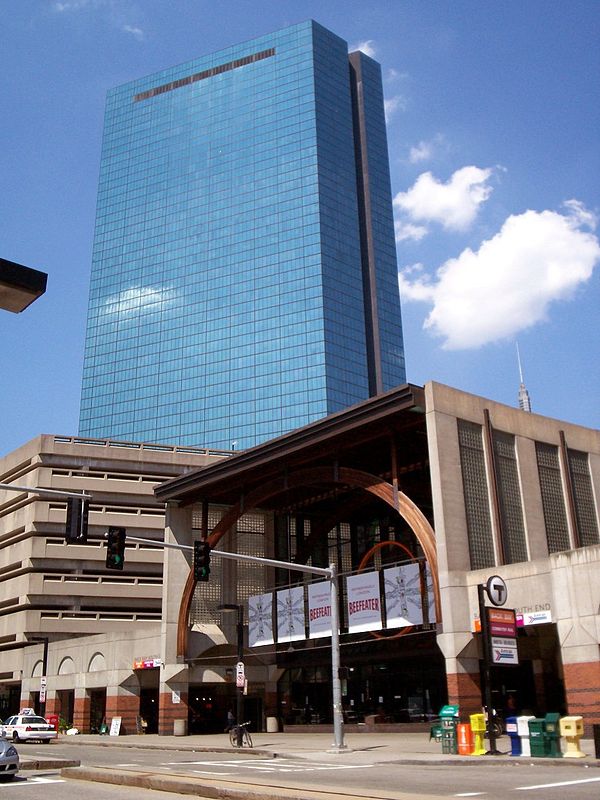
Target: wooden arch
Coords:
[[306, 477]]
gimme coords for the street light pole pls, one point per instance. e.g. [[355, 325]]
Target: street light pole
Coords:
[[240, 660]]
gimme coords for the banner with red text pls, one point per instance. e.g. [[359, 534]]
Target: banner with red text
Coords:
[[319, 610], [364, 602]]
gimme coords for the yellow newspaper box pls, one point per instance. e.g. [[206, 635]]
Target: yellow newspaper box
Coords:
[[571, 728], [478, 727]]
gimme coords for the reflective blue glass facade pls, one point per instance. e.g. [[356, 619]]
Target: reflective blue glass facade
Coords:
[[244, 272]]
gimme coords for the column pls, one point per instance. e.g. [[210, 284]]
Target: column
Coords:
[[81, 711]]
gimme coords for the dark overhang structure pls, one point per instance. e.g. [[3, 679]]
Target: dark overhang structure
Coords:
[[356, 437], [367, 461], [19, 285]]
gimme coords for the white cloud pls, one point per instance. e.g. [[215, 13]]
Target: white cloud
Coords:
[[116, 13], [139, 298], [70, 5], [408, 230], [508, 285], [453, 204], [367, 47], [421, 152], [426, 150], [138, 33], [393, 104]]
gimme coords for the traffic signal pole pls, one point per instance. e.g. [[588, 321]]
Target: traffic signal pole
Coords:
[[41, 491], [327, 572]]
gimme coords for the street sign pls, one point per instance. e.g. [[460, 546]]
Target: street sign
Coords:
[[240, 675], [501, 622], [504, 651], [496, 590], [534, 618]]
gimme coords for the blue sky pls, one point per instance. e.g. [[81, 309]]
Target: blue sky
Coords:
[[493, 121]]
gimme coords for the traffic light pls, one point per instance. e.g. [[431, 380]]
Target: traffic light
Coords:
[[76, 528], [201, 561], [115, 548]]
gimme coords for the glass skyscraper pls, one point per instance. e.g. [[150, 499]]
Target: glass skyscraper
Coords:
[[244, 278]]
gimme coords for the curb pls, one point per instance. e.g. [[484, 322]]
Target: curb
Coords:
[[221, 790], [49, 763]]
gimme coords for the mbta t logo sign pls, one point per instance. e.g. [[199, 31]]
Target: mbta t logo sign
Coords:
[[496, 590]]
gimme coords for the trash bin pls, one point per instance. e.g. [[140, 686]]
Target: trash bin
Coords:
[[552, 733], [523, 731], [272, 725], [537, 737], [478, 728], [513, 732], [571, 728], [180, 727], [464, 736]]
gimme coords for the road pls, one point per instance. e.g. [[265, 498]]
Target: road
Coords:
[[369, 778]]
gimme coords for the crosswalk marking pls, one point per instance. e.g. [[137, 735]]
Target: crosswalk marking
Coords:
[[552, 785], [262, 765]]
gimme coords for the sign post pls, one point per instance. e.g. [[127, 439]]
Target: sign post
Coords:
[[487, 673]]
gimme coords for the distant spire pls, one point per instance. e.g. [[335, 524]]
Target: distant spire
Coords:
[[524, 401]]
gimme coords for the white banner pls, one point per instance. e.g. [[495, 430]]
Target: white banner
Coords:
[[402, 586], [260, 620], [291, 621], [364, 602], [319, 610]]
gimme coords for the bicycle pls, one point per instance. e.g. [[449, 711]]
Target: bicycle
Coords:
[[246, 738]]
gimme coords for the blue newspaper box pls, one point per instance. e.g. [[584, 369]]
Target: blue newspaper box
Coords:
[[515, 739]]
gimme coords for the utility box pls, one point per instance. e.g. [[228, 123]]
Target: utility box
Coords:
[[571, 728]]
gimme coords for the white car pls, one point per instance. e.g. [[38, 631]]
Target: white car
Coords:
[[23, 727]]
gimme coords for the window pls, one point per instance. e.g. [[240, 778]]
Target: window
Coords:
[[509, 498], [477, 504], [553, 499], [583, 497]]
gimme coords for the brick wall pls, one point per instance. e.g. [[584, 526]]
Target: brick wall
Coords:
[[582, 690], [126, 706], [81, 714], [464, 690], [170, 711]]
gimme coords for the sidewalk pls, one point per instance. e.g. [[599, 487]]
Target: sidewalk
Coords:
[[400, 748]]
